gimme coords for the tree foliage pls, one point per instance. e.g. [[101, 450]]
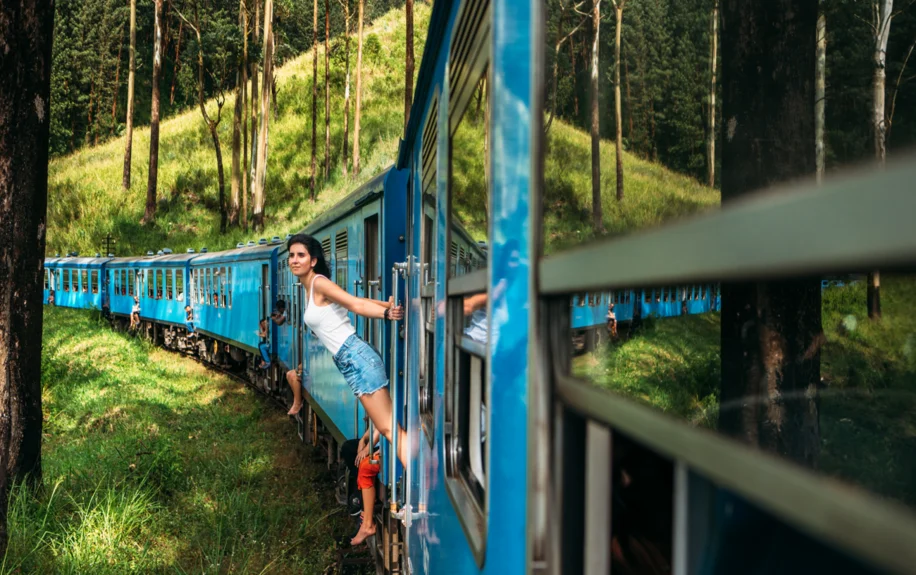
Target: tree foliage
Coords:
[[665, 74]]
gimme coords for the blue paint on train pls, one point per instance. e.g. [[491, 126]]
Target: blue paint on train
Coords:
[[76, 282], [232, 291], [160, 283]]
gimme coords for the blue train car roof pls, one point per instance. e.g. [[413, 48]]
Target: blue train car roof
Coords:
[[438, 22], [77, 262], [354, 200], [246, 253], [170, 260]]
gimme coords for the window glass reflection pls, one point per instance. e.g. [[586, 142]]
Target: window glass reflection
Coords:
[[796, 367]]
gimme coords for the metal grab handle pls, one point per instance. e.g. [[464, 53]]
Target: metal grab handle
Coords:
[[407, 475], [392, 379]]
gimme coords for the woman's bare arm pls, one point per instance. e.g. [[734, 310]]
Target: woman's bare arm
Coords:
[[360, 306]]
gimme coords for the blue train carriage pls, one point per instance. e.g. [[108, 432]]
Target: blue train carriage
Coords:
[[161, 283], [362, 237], [469, 143], [230, 292], [76, 282]]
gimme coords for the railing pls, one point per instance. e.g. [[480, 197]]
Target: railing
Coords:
[[863, 221]]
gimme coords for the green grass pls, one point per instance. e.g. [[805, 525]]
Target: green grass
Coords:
[[153, 464], [867, 405]]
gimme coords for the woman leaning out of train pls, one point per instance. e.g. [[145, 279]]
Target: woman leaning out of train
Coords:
[[326, 316]]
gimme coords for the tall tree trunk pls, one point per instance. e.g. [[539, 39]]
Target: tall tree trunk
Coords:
[[408, 63], [150, 215], [236, 151], [243, 186], [882, 27], [873, 295], [312, 191], [359, 90], [575, 76], [771, 331], [597, 216], [820, 84], [89, 126], [327, 89], [346, 113], [177, 64], [253, 96], [117, 84], [261, 176], [711, 122], [883, 10], [26, 28], [626, 82], [213, 125], [128, 145], [618, 12]]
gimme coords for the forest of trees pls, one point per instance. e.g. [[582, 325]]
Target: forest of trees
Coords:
[[666, 74], [121, 64]]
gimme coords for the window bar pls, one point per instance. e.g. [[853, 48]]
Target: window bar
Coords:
[[598, 488]]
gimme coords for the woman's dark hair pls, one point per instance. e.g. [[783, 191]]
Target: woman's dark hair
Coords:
[[313, 247], [281, 305]]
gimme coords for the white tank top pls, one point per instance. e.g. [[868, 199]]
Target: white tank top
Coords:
[[330, 323]]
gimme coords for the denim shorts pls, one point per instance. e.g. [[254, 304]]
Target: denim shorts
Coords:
[[361, 366]]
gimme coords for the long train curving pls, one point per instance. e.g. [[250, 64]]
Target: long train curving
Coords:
[[516, 466]]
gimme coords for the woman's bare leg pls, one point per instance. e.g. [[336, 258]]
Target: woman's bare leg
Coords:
[[367, 529], [378, 406], [293, 379]]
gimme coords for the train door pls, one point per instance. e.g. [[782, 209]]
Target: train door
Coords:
[[371, 278], [265, 291], [426, 376]]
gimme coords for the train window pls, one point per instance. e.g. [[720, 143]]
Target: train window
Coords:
[[150, 283], [47, 283], [94, 281], [229, 286], [131, 280], [179, 284], [169, 283], [211, 288], [65, 274], [340, 259], [468, 321], [224, 287], [84, 280], [160, 284], [201, 288], [192, 285]]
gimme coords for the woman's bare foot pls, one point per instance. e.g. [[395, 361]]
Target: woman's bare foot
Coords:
[[364, 533], [297, 406]]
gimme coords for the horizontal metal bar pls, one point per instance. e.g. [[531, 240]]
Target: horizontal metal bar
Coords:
[[859, 220], [877, 530], [467, 284]]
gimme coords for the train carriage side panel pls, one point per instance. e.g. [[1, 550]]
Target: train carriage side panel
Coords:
[[234, 291]]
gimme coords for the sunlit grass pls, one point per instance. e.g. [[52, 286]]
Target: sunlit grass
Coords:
[[153, 464]]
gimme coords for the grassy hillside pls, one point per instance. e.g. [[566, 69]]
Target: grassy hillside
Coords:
[[86, 201], [154, 464]]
